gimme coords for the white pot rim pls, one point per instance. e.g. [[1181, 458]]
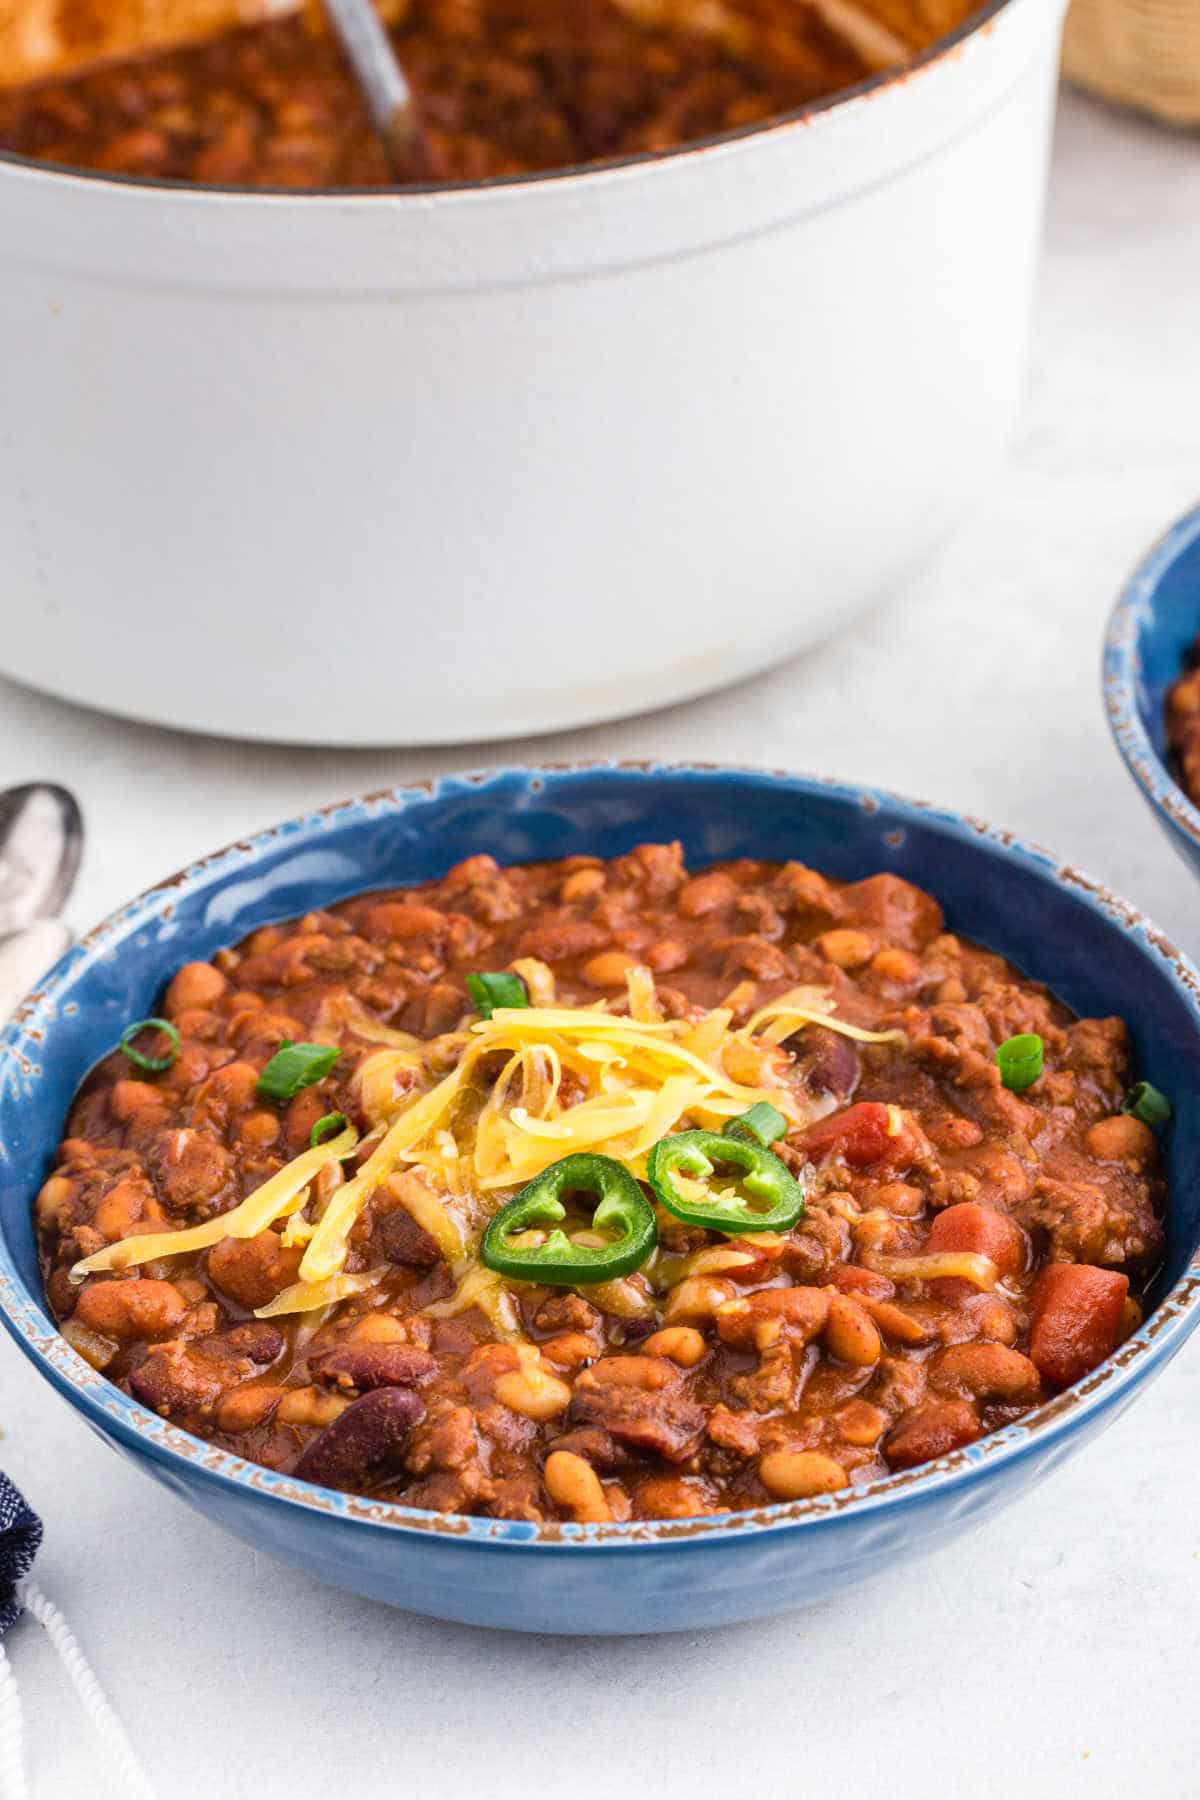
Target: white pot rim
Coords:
[[527, 231], [813, 114]]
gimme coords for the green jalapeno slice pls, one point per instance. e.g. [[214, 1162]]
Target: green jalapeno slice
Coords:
[[557, 1262], [761, 1178]]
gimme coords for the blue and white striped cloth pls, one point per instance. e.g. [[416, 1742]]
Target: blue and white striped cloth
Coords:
[[20, 1538]]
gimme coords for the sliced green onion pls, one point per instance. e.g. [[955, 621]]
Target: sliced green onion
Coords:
[[296, 1066], [1147, 1103], [155, 1064], [763, 1124], [329, 1126], [490, 991], [1020, 1060]]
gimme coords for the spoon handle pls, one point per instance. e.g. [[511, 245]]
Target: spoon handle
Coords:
[[25, 956], [389, 98]]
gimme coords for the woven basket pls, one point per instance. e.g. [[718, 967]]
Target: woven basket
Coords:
[[1142, 53]]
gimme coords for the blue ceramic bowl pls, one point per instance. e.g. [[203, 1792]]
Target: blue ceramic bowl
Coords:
[[1150, 630], [1094, 950]]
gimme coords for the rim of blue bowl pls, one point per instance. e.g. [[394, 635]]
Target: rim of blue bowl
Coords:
[[188, 1461], [1122, 671]]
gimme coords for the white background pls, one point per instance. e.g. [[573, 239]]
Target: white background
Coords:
[[1053, 1653]]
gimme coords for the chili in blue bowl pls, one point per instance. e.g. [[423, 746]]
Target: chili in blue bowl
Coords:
[[1095, 952]]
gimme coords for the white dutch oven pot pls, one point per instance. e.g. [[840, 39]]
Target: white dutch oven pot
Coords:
[[434, 466]]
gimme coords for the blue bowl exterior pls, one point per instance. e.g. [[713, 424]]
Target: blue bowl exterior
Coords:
[[1150, 630], [1095, 952]]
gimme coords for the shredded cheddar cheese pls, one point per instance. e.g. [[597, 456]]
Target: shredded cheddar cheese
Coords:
[[458, 1124], [285, 1193]]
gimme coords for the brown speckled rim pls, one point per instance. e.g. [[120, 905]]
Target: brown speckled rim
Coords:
[[185, 1460], [976, 25], [1131, 623]]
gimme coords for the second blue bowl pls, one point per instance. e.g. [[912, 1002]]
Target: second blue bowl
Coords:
[[1150, 631]]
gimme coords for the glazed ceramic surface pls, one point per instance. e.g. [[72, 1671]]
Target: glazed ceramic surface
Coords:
[[1094, 950], [626, 415], [1151, 629]]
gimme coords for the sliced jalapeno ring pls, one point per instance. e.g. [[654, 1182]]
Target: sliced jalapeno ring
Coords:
[[761, 1179], [557, 1262]]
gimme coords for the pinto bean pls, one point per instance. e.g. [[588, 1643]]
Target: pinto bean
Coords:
[[584, 884], [532, 1392], [248, 1406], [846, 949], [197, 984], [674, 1497], [310, 1406], [851, 1335], [253, 1270], [608, 968], [986, 1372], [693, 1301], [682, 1344], [900, 966], [760, 1321], [900, 1326], [130, 1310], [131, 1202], [574, 1486], [131, 1100], [405, 921], [369, 1434], [711, 892], [378, 1328], [800, 1474], [569, 1351], [860, 1423], [1121, 1138]]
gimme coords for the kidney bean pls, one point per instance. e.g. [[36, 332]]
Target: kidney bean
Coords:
[[934, 1429], [366, 1366], [369, 1434], [828, 1062]]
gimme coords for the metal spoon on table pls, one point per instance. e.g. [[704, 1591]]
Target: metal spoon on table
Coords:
[[41, 843], [383, 84]]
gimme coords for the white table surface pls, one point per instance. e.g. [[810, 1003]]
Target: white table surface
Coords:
[[1060, 1642]]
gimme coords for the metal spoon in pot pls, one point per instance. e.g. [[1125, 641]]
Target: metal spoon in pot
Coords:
[[41, 842], [383, 84]]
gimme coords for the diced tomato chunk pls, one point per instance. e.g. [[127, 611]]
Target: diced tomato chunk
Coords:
[[985, 1232], [862, 1136], [850, 1279], [1076, 1312]]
